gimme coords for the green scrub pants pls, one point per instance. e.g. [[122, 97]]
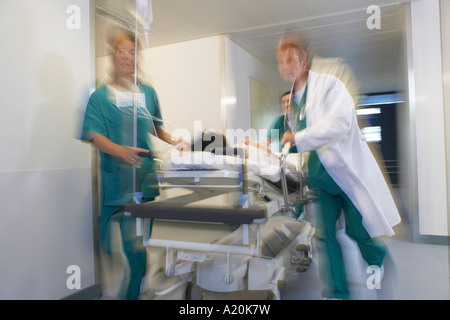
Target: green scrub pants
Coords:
[[133, 248], [332, 202]]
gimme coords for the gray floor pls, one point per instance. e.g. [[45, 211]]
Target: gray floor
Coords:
[[413, 271]]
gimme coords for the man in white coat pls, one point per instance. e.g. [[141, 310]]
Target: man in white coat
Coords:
[[341, 168]]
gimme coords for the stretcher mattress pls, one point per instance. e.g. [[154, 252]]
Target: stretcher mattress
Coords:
[[263, 164]]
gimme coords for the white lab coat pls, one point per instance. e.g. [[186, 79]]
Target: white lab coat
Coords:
[[332, 131]]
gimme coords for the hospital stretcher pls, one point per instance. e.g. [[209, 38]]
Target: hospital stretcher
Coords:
[[265, 235]]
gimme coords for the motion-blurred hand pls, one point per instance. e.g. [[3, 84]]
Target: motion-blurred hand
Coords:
[[288, 137]]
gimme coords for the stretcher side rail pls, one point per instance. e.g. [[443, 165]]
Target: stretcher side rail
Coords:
[[198, 214]]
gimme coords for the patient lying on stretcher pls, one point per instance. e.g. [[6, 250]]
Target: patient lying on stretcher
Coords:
[[212, 151]]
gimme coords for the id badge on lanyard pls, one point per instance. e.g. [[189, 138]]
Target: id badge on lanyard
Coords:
[[126, 100]]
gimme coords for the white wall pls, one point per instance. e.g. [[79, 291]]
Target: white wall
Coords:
[[428, 116], [188, 79], [405, 134], [45, 172], [445, 38], [240, 66]]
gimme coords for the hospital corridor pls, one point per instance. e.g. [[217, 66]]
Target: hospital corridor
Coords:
[[211, 150]]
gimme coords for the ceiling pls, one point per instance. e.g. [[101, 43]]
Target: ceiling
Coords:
[[337, 28]]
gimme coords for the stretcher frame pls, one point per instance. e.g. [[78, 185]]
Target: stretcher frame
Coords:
[[251, 218]]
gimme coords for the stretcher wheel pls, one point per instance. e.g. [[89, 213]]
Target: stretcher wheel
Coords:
[[305, 262], [303, 247], [301, 269]]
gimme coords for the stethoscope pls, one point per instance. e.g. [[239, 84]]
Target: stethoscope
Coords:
[[291, 116]]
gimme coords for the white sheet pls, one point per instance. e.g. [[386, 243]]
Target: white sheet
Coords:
[[263, 164]]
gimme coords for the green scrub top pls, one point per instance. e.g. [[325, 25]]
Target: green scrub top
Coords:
[[281, 126], [103, 117]]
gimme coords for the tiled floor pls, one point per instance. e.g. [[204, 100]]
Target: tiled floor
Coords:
[[413, 271]]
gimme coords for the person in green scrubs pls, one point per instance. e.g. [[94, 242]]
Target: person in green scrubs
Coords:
[[332, 202], [108, 125], [283, 123], [279, 126], [341, 168]]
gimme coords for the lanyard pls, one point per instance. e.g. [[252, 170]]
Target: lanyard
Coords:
[[303, 104]]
